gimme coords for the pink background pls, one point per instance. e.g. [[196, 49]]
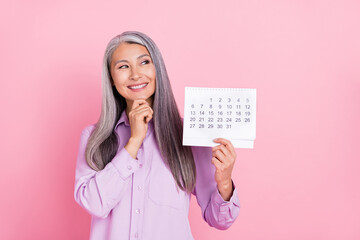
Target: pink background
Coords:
[[301, 181]]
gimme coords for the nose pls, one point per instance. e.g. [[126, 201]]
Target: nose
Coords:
[[134, 75]]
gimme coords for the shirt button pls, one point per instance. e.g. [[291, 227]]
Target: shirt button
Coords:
[[137, 211], [136, 235], [139, 188], [129, 167], [140, 165]]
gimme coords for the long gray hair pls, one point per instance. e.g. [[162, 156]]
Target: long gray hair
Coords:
[[103, 142]]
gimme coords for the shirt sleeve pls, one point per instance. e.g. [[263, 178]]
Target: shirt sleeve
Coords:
[[216, 211], [99, 191]]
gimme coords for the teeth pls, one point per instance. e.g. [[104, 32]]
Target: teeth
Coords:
[[139, 86]]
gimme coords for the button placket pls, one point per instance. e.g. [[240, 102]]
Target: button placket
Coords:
[[138, 197]]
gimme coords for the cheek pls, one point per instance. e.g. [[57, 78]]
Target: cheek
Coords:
[[121, 90], [150, 72], [153, 77], [119, 78]]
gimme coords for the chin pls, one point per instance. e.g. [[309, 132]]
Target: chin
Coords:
[[133, 98]]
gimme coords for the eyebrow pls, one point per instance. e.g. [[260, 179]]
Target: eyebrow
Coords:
[[123, 60]]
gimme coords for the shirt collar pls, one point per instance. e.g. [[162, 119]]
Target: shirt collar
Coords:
[[123, 119]]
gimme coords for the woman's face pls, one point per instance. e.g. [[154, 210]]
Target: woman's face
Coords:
[[133, 72]]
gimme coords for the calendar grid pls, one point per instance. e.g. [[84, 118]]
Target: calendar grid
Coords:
[[219, 112]]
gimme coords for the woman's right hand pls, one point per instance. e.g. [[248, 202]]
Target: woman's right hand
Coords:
[[139, 116]]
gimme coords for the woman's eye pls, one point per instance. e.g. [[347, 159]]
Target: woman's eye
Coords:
[[123, 66], [145, 62]]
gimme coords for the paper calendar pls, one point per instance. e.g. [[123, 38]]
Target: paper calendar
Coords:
[[219, 112]]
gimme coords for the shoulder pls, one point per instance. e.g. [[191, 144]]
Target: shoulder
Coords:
[[86, 132]]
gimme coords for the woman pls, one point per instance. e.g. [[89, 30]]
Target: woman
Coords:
[[133, 175]]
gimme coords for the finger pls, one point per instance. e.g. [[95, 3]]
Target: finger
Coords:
[[138, 102], [138, 110], [220, 156], [225, 151], [141, 108], [217, 164], [222, 148], [227, 155], [142, 113], [148, 118], [227, 144]]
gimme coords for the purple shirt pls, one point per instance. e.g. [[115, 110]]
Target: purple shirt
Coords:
[[139, 199]]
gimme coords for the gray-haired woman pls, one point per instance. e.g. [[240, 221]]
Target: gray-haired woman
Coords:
[[133, 175]]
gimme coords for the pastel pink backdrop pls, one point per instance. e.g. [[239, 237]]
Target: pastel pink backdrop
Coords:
[[301, 181]]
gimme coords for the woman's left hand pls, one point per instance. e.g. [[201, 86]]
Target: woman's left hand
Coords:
[[223, 157]]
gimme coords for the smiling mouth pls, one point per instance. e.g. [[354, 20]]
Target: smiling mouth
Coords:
[[138, 86]]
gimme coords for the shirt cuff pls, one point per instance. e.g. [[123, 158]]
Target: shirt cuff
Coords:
[[221, 202], [125, 164], [226, 211]]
